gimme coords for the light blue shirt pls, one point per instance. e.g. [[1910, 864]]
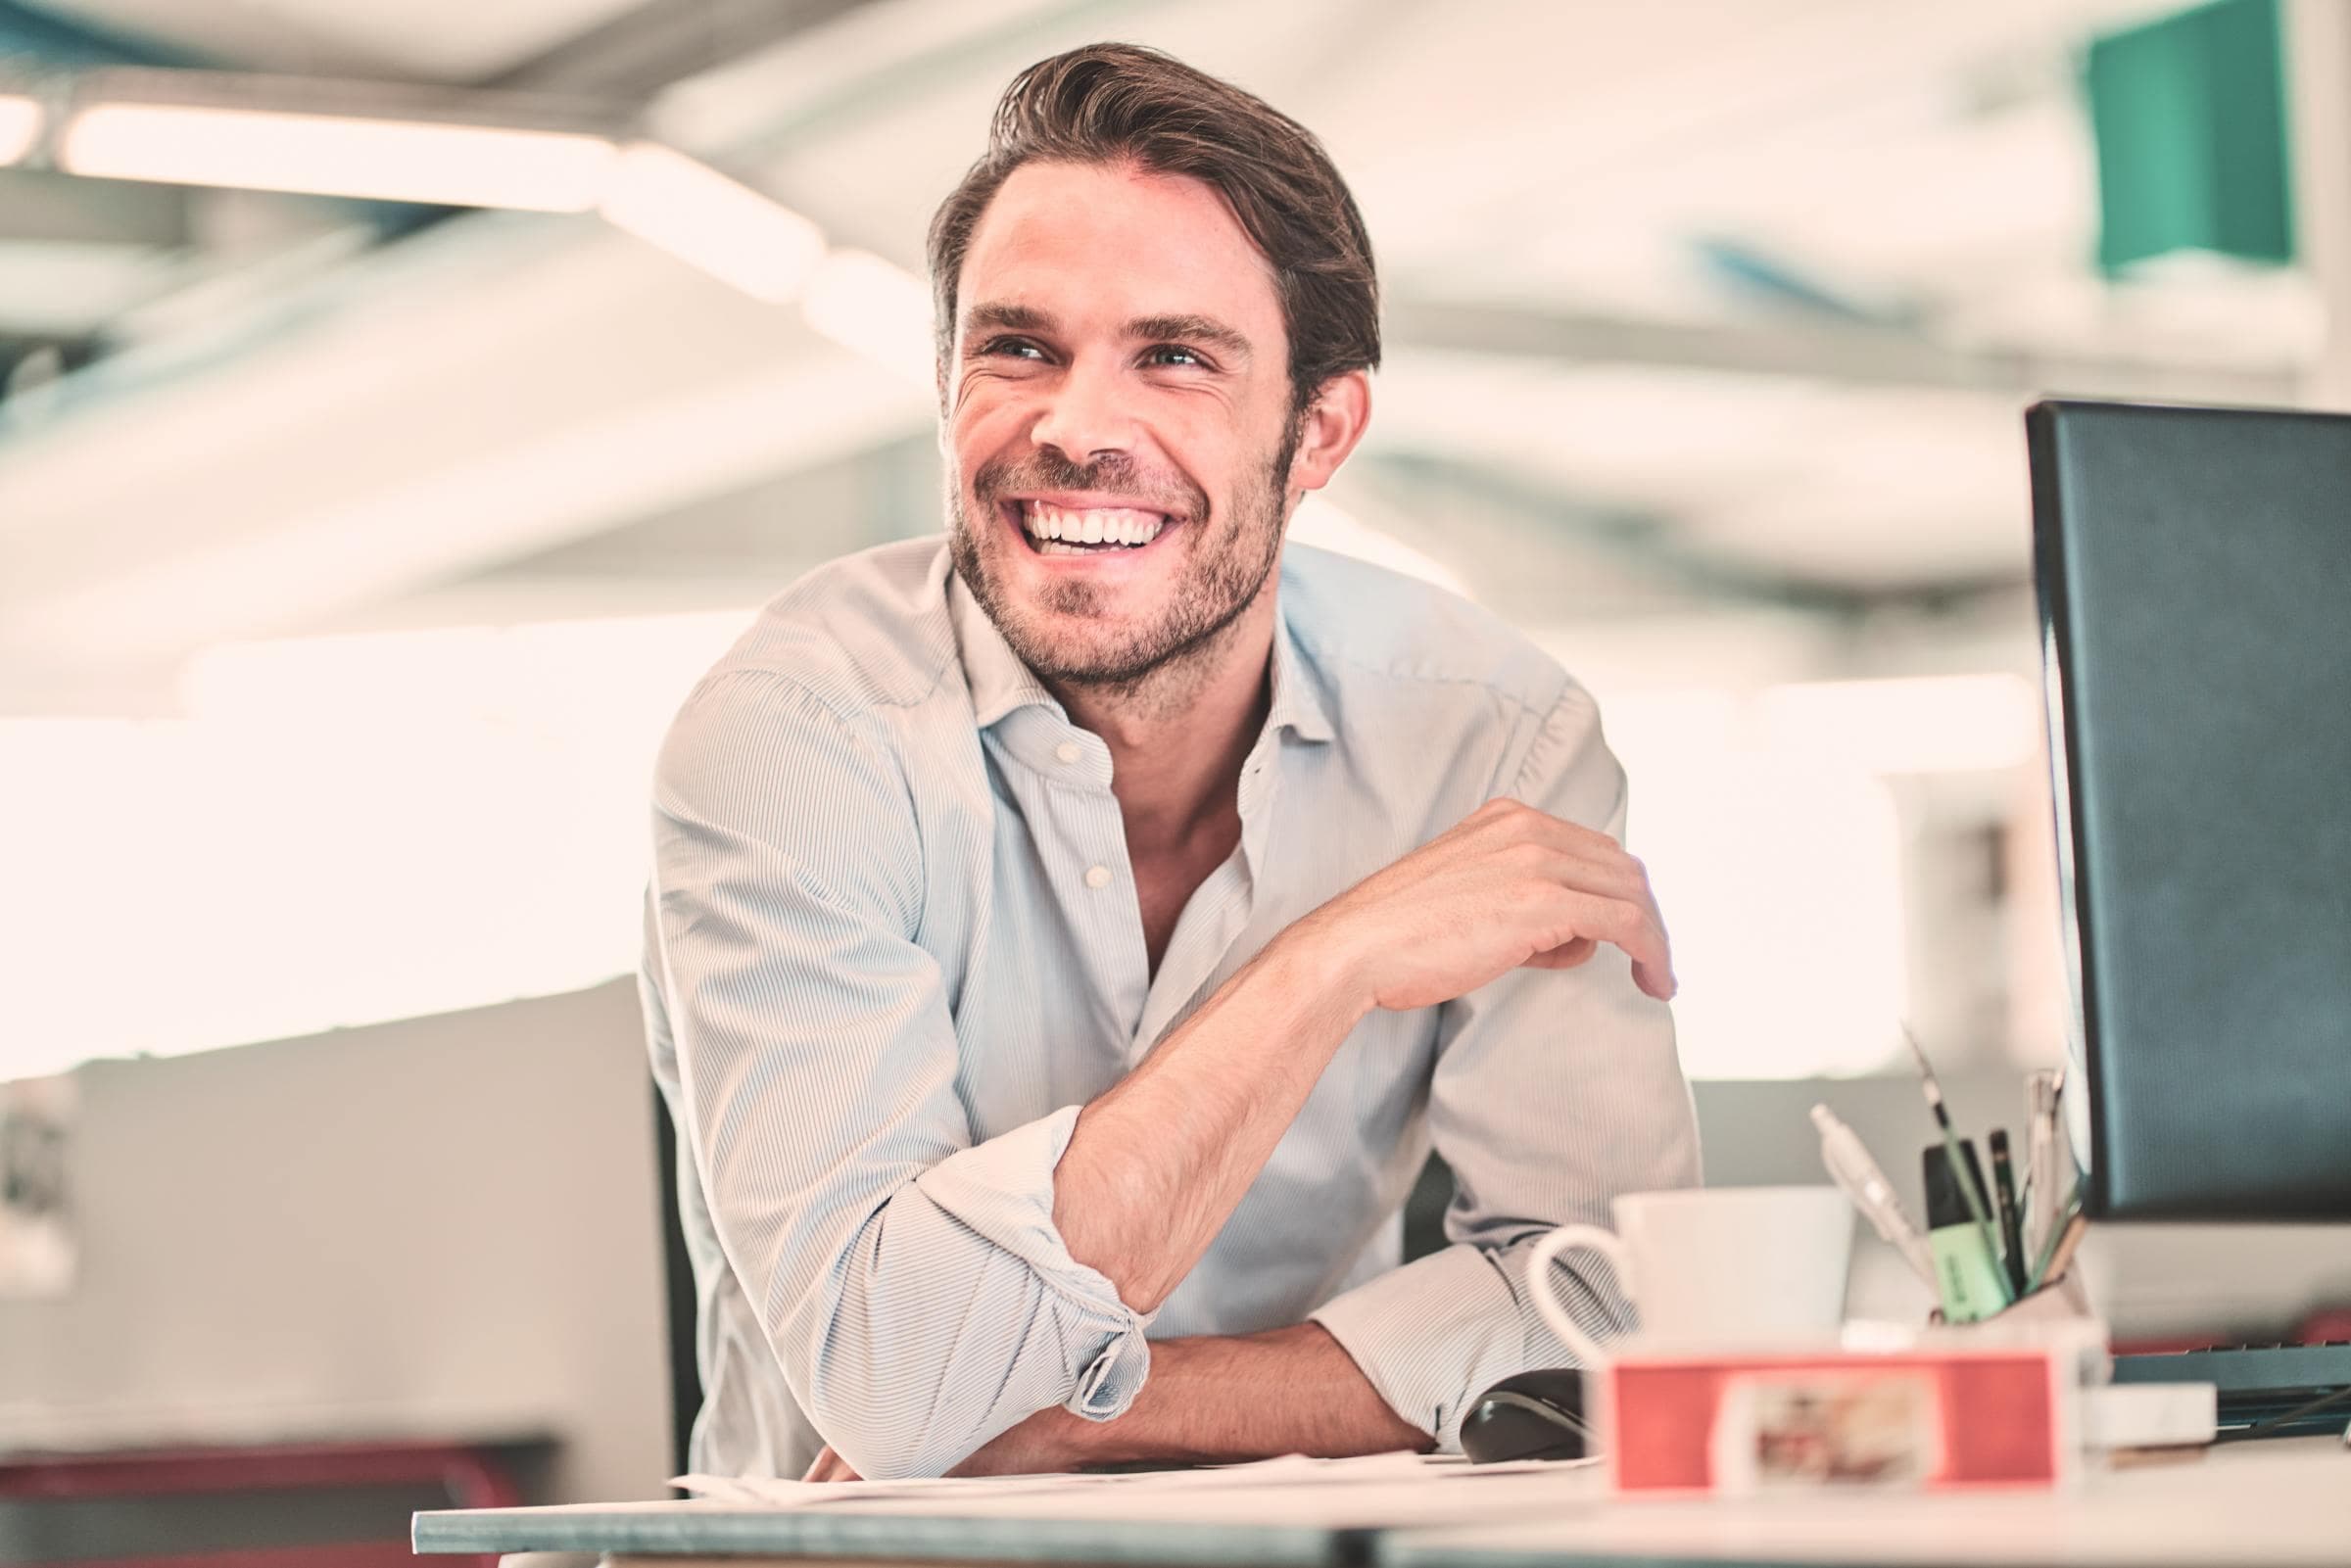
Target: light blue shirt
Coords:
[[893, 947]]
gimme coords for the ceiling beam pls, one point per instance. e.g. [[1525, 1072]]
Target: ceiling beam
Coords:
[[1850, 353], [1651, 547], [40, 204], [532, 387], [39, 35], [663, 41]]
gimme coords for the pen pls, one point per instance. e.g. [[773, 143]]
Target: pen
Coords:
[[2061, 1251], [1857, 1175], [1971, 1189], [2069, 1224], [2040, 1158], [2003, 1189]]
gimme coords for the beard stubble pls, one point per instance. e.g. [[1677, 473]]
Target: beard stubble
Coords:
[[1223, 575]]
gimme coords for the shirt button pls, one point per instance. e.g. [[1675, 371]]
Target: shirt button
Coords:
[[1097, 877], [1065, 753]]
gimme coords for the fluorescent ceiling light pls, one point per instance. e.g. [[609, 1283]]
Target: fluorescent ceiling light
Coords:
[[876, 307], [328, 155], [710, 221], [19, 126]]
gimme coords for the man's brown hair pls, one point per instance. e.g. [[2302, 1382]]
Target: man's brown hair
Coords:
[[1114, 103]]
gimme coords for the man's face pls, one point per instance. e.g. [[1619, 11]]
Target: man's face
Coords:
[[1118, 420]]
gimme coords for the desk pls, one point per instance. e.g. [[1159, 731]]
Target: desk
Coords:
[[1263, 1525], [2284, 1503], [2279, 1504]]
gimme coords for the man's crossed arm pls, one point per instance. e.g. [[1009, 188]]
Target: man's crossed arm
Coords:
[[1159, 1162], [926, 1295], [1210, 1401]]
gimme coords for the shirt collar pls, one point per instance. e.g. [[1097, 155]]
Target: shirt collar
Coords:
[[1297, 689], [1001, 684]]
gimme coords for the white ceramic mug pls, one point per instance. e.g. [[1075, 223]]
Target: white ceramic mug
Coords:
[[1717, 1265]]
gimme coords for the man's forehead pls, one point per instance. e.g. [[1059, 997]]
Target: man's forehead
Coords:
[[1116, 243]]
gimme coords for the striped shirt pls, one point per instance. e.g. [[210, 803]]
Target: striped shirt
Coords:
[[893, 947]]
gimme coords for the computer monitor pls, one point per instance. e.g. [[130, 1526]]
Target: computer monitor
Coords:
[[2194, 578]]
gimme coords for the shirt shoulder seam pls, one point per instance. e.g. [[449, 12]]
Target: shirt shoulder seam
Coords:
[[1520, 700], [858, 728], [847, 715]]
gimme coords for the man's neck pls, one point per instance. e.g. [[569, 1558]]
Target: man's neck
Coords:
[[1178, 739]]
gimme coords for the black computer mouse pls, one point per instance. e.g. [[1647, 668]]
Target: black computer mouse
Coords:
[[1535, 1415]]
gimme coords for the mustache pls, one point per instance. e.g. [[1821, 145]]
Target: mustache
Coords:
[[1113, 475]]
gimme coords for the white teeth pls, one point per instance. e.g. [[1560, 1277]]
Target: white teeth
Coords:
[[1110, 525]]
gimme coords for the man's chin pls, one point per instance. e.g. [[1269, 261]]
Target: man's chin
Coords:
[[1087, 659]]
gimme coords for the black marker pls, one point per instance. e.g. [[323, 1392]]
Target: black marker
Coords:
[[1967, 1272], [2003, 1188]]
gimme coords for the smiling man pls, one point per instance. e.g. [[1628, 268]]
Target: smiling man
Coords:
[[1067, 940]]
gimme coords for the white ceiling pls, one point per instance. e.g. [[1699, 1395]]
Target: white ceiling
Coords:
[[413, 40]]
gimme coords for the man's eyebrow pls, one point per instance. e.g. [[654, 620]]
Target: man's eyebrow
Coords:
[[1191, 329], [1005, 316]]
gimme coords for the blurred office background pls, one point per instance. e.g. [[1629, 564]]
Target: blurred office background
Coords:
[[360, 534]]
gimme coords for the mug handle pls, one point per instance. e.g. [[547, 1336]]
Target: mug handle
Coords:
[[1588, 1351]]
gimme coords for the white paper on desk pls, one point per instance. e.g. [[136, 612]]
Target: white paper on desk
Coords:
[[1289, 1470]]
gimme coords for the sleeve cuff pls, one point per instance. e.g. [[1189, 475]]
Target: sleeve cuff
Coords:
[[1432, 1335], [1108, 1386], [1002, 1189]]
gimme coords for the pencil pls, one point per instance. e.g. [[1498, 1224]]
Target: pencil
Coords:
[[1979, 1207], [2003, 1189]]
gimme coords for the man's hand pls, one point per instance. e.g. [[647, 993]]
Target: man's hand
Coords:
[[1508, 888], [1047, 1443], [831, 1466], [1157, 1164]]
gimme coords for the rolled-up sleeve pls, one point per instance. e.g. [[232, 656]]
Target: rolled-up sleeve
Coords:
[[909, 1278], [1553, 1092]]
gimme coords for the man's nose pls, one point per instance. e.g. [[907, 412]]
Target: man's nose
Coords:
[[1082, 417]]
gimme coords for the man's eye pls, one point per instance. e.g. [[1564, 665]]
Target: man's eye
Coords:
[[1015, 348], [1172, 354]]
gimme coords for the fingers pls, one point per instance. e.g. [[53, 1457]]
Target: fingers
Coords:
[[1612, 874], [1516, 823], [831, 1466], [1623, 924], [1566, 956], [1605, 890]]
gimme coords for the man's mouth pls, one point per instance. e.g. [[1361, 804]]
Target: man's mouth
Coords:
[[1053, 530]]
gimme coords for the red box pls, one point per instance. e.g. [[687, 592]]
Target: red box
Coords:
[[1941, 1417]]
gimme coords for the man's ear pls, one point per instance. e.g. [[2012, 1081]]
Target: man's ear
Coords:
[[1333, 423]]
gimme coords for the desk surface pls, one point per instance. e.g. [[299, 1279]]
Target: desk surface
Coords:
[[1327, 1522], [2279, 1504]]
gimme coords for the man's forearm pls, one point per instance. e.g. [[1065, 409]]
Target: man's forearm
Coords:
[[1220, 1400], [1158, 1162]]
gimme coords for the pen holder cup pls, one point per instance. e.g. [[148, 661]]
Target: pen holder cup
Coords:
[[2062, 1299], [2058, 1316]]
